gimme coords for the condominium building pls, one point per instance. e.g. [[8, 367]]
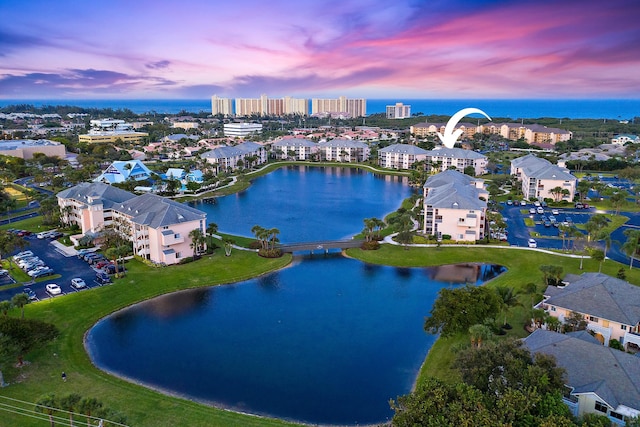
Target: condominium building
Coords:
[[265, 106], [533, 134], [344, 150], [540, 179], [400, 156], [398, 111], [241, 130], [111, 130], [158, 227], [294, 148], [26, 148], [349, 107], [432, 129], [222, 106], [455, 204], [228, 158], [445, 158]]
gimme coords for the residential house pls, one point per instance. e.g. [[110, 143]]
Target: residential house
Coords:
[[296, 148], [610, 306], [227, 158], [600, 380], [158, 227], [400, 156], [455, 204], [623, 139], [540, 178], [121, 171], [445, 158], [344, 150]]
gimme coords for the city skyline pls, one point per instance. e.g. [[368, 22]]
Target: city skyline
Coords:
[[357, 48]]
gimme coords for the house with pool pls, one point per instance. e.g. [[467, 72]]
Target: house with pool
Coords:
[[455, 204], [600, 380], [610, 306], [158, 227]]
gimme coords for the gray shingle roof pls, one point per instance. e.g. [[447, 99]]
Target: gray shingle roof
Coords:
[[455, 153], [245, 148], [107, 194], [294, 142], [536, 167], [452, 189], [155, 211], [601, 296], [403, 149], [592, 368], [347, 143]]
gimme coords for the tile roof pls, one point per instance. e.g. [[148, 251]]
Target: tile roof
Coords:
[[592, 368], [602, 296]]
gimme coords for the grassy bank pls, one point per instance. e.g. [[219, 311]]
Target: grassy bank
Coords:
[[74, 314], [523, 268]]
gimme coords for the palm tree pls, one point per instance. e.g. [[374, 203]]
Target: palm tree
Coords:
[[196, 238], [88, 406], [47, 405], [556, 192], [5, 306], [477, 333], [631, 245], [597, 255], [508, 298], [228, 245], [20, 300], [273, 237], [70, 403]]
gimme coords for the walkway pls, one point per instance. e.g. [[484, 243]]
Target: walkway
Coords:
[[323, 245]]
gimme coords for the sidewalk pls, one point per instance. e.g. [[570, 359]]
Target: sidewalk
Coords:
[[68, 251]]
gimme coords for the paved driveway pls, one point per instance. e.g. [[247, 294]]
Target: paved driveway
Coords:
[[67, 266]]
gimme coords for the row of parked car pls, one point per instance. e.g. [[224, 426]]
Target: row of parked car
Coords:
[[100, 263], [32, 264]]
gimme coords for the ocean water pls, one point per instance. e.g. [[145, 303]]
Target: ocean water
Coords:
[[617, 109]]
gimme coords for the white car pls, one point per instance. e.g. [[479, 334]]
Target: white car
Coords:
[[536, 204], [78, 283], [540, 210], [555, 211], [532, 243], [53, 289]]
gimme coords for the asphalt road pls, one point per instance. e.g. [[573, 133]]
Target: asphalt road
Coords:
[[67, 267]]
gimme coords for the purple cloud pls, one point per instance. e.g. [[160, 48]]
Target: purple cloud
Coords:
[[158, 65]]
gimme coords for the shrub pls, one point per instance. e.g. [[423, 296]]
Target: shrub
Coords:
[[270, 253], [255, 245], [370, 246], [616, 344]]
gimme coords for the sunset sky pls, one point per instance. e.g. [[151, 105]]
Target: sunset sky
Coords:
[[359, 48]]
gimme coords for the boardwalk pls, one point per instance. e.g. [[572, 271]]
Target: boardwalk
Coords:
[[321, 246]]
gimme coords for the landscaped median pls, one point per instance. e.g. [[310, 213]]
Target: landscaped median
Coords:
[[522, 268], [75, 313]]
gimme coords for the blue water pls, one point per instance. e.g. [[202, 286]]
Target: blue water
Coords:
[[309, 203], [499, 108], [329, 340]]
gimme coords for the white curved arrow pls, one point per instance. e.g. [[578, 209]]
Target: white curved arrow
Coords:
[[450, 137]]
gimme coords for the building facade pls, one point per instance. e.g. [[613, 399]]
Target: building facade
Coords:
[[398, 111], [265, 106], [400, 156], [222, 106], [110, 131], [356, 107], [455, 204], [26, 148], [295, 149], [228, 158], [121, 171], [540, 179], [158, 227], [458, 158], [344, 150], [241, 130]]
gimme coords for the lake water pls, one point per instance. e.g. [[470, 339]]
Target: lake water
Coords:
[[309, 203], [329, 340]]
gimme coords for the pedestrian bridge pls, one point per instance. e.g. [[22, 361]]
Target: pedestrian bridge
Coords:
[[321, 246]]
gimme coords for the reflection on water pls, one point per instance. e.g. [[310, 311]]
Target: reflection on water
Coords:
[[329, 340]]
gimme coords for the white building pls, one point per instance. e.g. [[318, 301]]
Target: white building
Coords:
[[342, 106], [296, 148], [344, 150], [539, 177], [398, 111], [222, 106], [623, 139], [455, 204], [400, 156], [227, 158], [241, 130], [444, 158]]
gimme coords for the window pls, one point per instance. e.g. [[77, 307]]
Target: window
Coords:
[[623, 327], [616, 415], [177, 235], [178, 254], [553, 308], [601, 407], [593, 319]]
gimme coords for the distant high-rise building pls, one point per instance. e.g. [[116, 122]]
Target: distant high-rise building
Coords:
[[398, 111], [221, 106], [353, 107], [265, 106]]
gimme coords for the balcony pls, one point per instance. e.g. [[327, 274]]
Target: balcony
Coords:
[[631, 337], [605, 332]]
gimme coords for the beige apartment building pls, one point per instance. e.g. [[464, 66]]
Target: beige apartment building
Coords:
[[222, 106], [265, 106], [432, 129], [540, 178], [352, 107]]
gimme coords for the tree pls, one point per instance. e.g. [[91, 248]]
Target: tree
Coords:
[[88, 406], [9, 242], [456, 310], [405, 238], [8, 350], [20, 300], [556, 192], [508, 299], [576, 322], [597, 255], [197, 238], [617, 199], [228, 245], [583, 188], [47, 404], [630, 246], [595, 224], [478, 333], [70, 403], [5, 306]]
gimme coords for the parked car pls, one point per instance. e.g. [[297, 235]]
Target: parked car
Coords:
[[96, 259], [24, 253], [43, 235], [78, 283], [552, 219], [53, 289], [44, 272], [579, 205], [523, 203], [532, 243], [55, 235], [31, 294], [36, 270], [547, 223], [111, 269], [83, 252], [555, 211], [536, 204], [102, 264], [4, 272], [540, 210], [102, 278], [532, 211]]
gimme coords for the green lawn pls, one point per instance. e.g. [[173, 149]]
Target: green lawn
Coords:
[[74, 314]]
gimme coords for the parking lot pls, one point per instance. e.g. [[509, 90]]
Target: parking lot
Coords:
[[68, 267]]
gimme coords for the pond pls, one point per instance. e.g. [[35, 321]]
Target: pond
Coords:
[[328, 340], [308, 203]]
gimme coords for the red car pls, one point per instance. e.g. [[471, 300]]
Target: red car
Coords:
[[103, 263]]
